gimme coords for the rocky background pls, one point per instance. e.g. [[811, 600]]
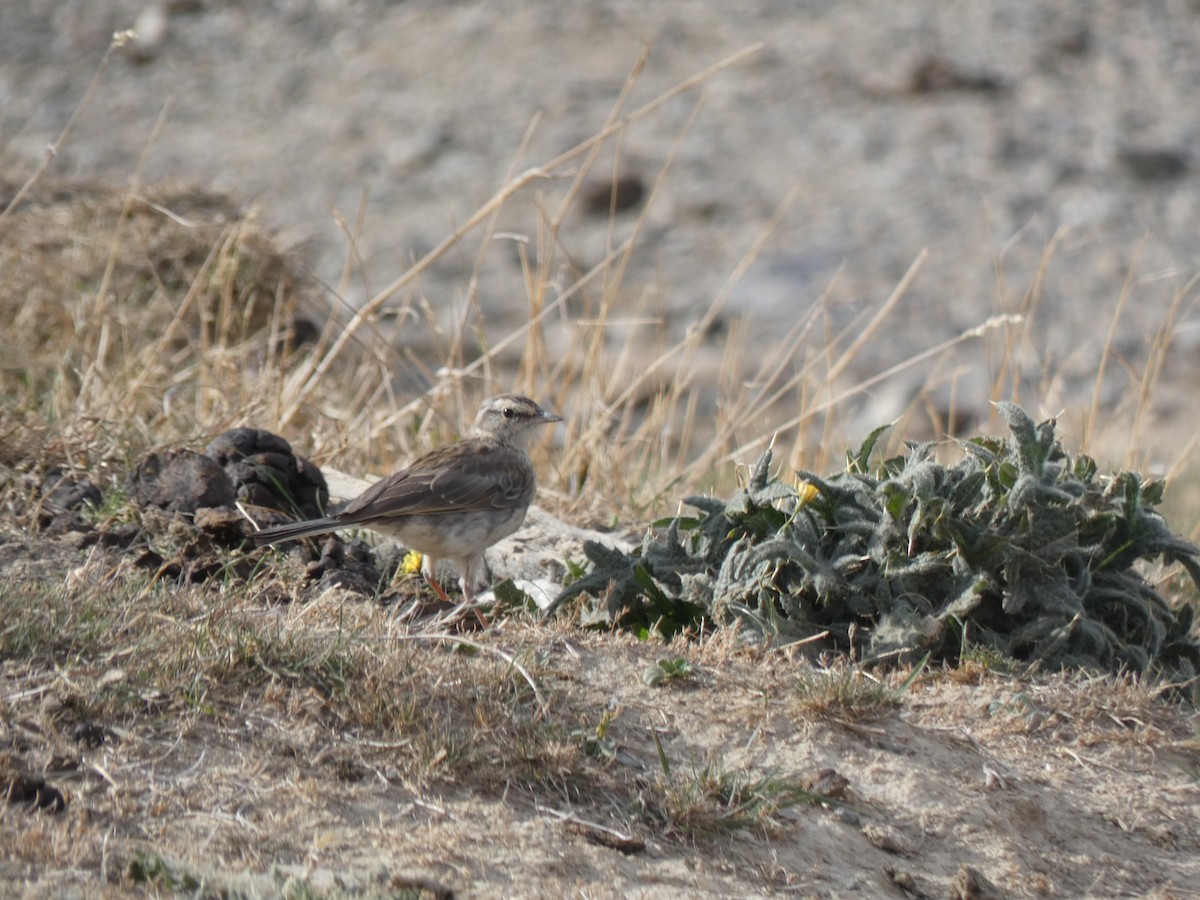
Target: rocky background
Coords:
[[983, 132]]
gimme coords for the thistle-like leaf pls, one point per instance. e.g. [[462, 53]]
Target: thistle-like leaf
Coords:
[[1030, 450], [859, 460]]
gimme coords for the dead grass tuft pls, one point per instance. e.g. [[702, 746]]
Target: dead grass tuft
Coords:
[[848, 691]]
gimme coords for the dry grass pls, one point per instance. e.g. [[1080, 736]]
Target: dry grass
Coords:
[[161, 315], [154, 701], [158, 657], [206, 736]]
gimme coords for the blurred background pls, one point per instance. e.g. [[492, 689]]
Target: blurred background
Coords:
[[1036, 160]]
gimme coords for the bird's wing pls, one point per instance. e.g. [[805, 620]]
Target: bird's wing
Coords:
[[481, 477]]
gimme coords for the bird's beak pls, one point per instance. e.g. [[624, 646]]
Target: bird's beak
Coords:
[[549, 417]]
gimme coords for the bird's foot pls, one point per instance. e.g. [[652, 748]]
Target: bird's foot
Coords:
[[468, 603]]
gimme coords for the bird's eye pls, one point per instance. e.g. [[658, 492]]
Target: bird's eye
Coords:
[[508, 412]]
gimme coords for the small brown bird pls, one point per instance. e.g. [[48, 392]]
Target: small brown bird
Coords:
[[454, 502]]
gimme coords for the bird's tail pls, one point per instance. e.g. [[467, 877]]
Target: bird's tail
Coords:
[[295, 531]]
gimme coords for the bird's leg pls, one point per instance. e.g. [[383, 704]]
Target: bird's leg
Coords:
[[438, 589], [472, 567], [428, 565]]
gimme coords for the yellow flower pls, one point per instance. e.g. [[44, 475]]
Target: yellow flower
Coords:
[[412, 563], [806, 491]]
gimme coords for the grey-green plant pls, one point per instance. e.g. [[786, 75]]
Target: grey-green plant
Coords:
[[1017, 547], [667, 670]]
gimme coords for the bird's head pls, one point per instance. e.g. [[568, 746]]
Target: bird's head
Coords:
[[512, 419]]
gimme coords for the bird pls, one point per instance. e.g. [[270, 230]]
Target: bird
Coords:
[[453, 502]]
